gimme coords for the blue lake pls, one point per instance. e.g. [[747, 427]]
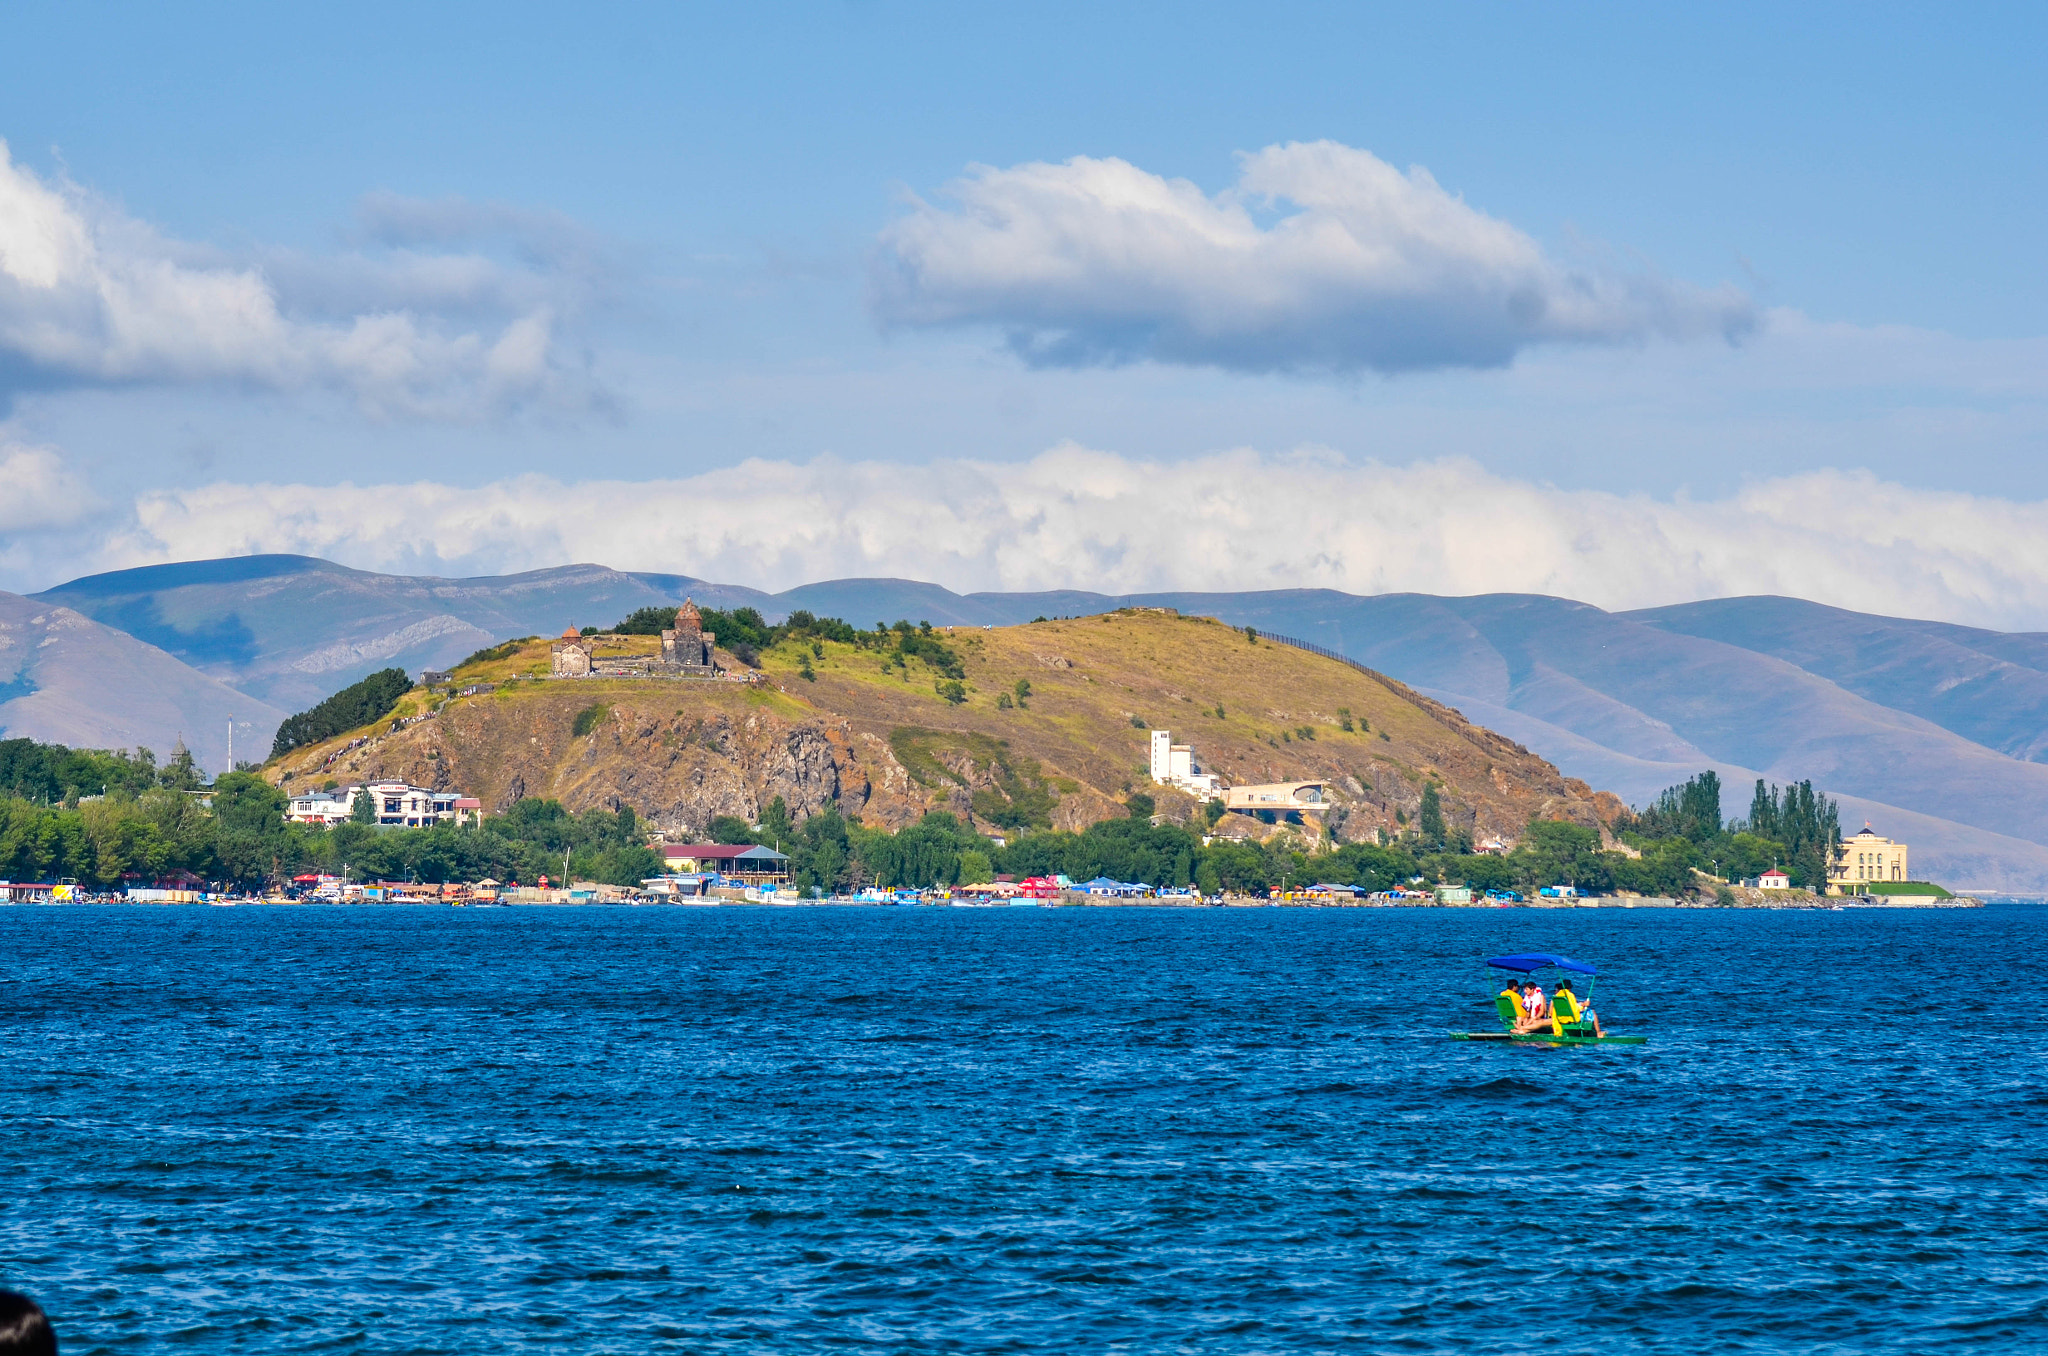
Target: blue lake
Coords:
[[952, 1130]]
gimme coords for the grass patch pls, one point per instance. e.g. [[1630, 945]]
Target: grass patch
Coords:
[[918, 748], [492, 653], [1904, 887], [588, 719], [1021, 795]]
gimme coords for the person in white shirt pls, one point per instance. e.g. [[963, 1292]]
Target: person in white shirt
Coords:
[[1535, 1008]]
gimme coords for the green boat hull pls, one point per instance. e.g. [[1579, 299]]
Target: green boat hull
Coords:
[[1545, 1038]]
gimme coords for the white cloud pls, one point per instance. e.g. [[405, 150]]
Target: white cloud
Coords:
[[39, 492], [1077, 518], [1097, 261], [89, 296]]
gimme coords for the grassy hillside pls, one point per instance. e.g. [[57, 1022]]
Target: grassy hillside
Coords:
[[878, 734]]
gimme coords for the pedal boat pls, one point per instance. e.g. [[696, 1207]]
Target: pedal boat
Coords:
[[1568, 1025]]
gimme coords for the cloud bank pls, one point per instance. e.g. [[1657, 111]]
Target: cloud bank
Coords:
[[92, 297], [1097, 261], [1073, 517], [39, 491]]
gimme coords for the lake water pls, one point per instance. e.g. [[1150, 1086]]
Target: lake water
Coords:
[[1073, 1130]]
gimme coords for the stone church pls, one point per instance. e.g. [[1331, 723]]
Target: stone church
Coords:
[[688, 648], [686, 652]]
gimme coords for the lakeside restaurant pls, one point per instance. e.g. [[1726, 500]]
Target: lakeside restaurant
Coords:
[[748, 863]]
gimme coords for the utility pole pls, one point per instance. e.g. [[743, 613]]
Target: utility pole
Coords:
[[231, 741]]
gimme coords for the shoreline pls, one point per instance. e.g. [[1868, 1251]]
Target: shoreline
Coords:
[[1595, 902]]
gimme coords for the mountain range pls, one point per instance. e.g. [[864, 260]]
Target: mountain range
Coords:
[[1934, 733]]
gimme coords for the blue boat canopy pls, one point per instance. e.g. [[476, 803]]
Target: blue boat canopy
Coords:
[[1533, 962]]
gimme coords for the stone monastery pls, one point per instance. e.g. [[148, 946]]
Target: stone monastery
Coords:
[[687, 651]]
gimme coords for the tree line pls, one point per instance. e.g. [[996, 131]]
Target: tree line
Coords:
[[102, 818], [357, 704], [745, 633], [235, 834]]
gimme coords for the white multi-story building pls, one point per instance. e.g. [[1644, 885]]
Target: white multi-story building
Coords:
[[395, 804], [1174, 765], [320, 807]]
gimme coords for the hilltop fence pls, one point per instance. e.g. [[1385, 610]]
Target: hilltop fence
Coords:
[[1314, 648]]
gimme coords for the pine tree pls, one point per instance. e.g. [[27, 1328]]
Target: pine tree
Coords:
[[1429, 820], [1690, 810], [1763, 811], [776, 825]]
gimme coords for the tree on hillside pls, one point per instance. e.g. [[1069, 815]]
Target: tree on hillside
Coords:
[[356, 704], [1690, 810], [776, 825], [731, 830], [647, 621], [1429, 819], [741, 626]]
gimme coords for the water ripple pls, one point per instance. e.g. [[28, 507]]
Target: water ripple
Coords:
[[906, 1131]]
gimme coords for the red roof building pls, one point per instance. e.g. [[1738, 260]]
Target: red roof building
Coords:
[[744, 860]]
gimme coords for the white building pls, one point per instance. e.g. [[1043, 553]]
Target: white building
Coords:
[[396, 804], [319, 807], [1174, 765]]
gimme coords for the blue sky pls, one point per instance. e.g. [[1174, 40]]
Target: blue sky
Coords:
[[674, 248]]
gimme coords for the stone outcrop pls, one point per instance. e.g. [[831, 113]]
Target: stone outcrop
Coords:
[[678, 768]]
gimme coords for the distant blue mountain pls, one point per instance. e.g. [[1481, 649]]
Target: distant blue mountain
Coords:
[[292, 629], [1937, 733], [65, 679]]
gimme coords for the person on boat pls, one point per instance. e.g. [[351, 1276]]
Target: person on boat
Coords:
[[1535, 1008], [1586, 1014]]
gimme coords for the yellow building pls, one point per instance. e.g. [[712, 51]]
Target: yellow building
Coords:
[[1868, 857]]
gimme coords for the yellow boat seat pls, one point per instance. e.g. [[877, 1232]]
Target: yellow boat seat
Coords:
[[1567, 1018], [1509, 1004]]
